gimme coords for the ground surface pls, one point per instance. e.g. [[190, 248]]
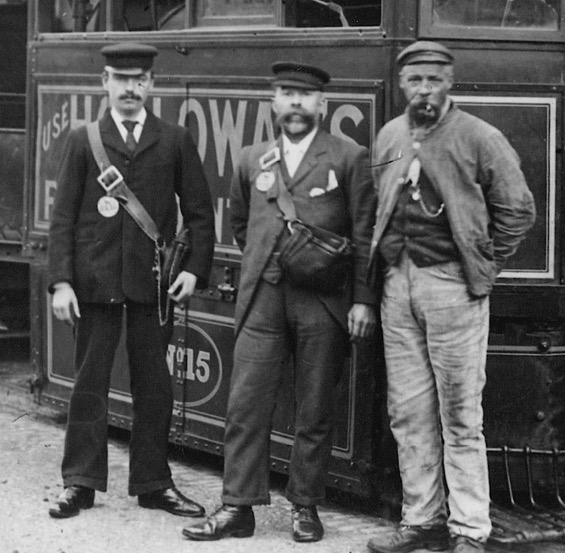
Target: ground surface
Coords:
[[31, 438]]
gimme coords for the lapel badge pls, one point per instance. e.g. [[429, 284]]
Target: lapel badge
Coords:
[[108, 206], [265, 180], [269, 158]]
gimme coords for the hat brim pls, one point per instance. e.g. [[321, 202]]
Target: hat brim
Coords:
[[295, 84], [127, 70], [427, 57]]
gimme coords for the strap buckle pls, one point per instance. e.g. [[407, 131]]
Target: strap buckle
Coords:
[[110, 178]]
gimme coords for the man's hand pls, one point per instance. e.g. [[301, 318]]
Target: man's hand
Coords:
[[183, 287], [65, 303], [361, 320]]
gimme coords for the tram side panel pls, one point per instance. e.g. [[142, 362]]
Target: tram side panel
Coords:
[[224, 115], [222, 119], [14, 271]]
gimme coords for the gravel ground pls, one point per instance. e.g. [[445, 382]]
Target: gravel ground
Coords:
[[31, 440]]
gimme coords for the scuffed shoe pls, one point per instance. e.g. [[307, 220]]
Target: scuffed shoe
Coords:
[[410, 538], [235, 521], [71, 501], [463, 544], [306, 524]]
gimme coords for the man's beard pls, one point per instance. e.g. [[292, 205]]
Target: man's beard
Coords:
[[424, 114], [296, 123]]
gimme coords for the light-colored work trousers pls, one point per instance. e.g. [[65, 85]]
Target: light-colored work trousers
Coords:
[[435, 338]]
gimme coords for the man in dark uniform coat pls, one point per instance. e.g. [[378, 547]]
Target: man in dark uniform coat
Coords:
[[330, 183], [100, 269]]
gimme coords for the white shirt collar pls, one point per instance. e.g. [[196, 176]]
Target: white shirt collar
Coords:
[[301, 146], [140, 118]]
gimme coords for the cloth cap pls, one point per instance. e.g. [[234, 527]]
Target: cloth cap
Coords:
[[425, 51], [128, 55], [299, 75]]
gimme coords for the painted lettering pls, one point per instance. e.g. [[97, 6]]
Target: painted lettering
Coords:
[[86, 110], [183, 360], [194, 106], [203, 366], [55, 126], [264, 124], [345, 111], [227, 132], [50, 188]]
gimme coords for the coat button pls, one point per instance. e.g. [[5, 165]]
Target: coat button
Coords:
[[126, 162]]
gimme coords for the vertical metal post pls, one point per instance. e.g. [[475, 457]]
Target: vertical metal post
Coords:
[[80, 15]]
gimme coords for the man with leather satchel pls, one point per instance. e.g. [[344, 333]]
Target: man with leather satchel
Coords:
[[113, 222], [302, 214]]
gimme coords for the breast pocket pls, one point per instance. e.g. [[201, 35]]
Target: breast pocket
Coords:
[[328, 210]]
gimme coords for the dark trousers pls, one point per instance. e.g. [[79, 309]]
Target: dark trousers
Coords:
[[98, 330], [282, 321]]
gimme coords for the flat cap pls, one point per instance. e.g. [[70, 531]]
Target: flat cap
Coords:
[[425, 51], [299, 75], [128, 55]]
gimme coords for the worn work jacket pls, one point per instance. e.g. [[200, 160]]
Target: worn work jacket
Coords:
[[476, 173], [346, 209]]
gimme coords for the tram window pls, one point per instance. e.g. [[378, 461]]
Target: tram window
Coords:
[[289, 13], [61, 16], [104, 15], [529, 14], [345, 13]]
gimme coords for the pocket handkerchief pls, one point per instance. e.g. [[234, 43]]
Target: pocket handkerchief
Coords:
[[316, 192], [332, 181]]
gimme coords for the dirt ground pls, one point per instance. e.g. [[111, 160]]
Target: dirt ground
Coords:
[[31, 439]]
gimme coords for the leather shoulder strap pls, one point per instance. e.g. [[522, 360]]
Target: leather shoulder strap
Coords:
[[284, 198], [121, 191], [98, 150]]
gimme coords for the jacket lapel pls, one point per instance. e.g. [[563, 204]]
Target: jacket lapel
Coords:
[[310, 159], [111, 136], [149, 135]]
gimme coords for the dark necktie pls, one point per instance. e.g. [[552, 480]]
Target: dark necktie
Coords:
[[130, 138]]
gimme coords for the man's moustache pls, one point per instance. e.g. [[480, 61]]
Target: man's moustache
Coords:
[[130, 97], [302, 114]]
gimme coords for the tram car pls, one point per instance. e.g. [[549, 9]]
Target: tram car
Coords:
[[213, 76]]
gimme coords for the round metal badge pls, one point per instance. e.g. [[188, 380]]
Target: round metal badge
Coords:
[[108, 206], [265, 180]]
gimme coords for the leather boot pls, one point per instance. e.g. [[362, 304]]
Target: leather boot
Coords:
[[306, 525], [71, 501], [236, 521]]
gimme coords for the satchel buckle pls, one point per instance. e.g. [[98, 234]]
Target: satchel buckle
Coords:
[[289, 225], [110, 178]]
